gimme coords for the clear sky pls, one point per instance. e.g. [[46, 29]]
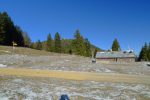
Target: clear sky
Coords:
[[98, 20]]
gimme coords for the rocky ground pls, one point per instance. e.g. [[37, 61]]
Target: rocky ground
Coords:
[[71, 63], [30, 88], [14, 88]]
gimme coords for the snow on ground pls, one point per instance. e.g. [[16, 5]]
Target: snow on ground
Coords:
[[51, 89], [2, 65], [71, 63], [67, 63]]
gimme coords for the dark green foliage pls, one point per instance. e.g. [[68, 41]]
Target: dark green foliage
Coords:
[[32, 45], [95, 52], [66, 45], [115, 45], [78, 44], [49, 43], [70, 52], [7, 29], [87, 48], [145, 53], [38, 45], [9, 32], [148, 52], [27, 40], [18, 37], [57, 43]]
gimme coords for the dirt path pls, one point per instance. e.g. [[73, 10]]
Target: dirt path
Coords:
[[103, 77]]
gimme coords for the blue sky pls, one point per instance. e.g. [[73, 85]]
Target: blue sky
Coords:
[[101, 21]]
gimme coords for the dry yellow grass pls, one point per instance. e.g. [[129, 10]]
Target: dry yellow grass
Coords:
[[103, 77]]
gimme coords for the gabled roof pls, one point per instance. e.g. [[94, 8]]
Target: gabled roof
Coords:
[[115, 54]]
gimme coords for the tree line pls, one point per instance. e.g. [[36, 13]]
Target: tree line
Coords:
[[9, 33], [78, 46]]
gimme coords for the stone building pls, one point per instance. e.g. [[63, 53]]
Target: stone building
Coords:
[[116, 56]]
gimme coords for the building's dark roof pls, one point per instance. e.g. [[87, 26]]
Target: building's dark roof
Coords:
[[115, 54]]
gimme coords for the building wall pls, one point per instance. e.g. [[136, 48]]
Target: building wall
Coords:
[[126, 60]]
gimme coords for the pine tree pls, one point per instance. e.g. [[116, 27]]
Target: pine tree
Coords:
[[87, 48], [141, 54], [18, 36], [144, 53], [9, 32], [115, 45], [57, 43], [27, 40], [95, 52], [7, 29], [2, 32], [78, 44], [145, 49], [149, 52], [39, 45], [49, 43]]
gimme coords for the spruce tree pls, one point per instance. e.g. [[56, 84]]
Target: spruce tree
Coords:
[[57, 43], [115, 45], [27, 40], [87, 48], [144, 53], [95, 52], [49, 42], [141, 54], [7, 29], [145, 50], [39, 45], [18, 36], [9, 32], [149, 52], [78, 44]]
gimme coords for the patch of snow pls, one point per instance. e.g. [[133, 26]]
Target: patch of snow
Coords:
[[146, 93], [7, 51], [3, 98], [107, 70], [67, 60], [18, 81], [137, 88], [2, 65], [28, 92]]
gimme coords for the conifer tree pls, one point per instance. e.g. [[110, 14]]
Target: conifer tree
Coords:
[[9, 32], [145, 49], [115, 45], [148, 52], [144, 53], [95, 52], [18, 36], [141, 54], [7, 29], [57, 43], [78, 44], [27, 40], [49, 42], [87, 48], [39, 45]]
